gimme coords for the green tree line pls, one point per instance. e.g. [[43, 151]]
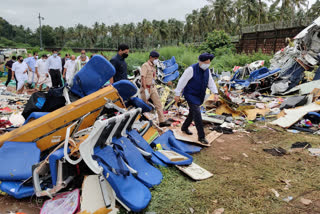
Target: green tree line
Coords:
[[227, 15]]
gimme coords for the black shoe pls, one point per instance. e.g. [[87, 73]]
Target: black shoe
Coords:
[[187, 131], [203, 140], [163, 124]]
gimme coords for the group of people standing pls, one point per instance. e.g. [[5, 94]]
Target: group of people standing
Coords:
[[47, 70], [192, 85]]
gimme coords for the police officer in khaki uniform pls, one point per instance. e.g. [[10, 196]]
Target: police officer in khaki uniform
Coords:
[[148, 88]]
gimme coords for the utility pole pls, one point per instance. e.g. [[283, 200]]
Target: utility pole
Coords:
[[40, 18]]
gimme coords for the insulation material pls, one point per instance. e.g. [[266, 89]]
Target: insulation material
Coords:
[[294, 115], [305, 88], [252, 113]]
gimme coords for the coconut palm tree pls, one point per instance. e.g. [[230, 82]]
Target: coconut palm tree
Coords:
[[223, 12]]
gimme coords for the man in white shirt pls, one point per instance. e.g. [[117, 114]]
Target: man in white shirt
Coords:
[[193, 84], [43, 73], [19, 70], [69, 70], [83, 54], [55, 68]]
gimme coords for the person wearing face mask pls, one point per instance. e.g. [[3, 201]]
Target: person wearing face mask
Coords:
[[65, 59], [69, 70], [193, 84], [42, 72], [119, 63], [31, 62], [83, 54], [81, 61], [9, 67], [55, 68], [148, 89], [19, 70]]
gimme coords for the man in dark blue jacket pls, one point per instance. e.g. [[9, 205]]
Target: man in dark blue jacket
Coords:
[[193, 84], [119, 63]]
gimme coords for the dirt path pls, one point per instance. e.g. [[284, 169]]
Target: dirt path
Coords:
[[10, 205]]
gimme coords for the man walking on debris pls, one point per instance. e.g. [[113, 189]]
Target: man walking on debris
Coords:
[[69, 70], [55, 68], [148, 89], [31, 62], [9, 67], [19, 70], [119, 63], [193, 84], [42, 73]]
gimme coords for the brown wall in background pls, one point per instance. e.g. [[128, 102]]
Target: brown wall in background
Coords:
[[268, 42]]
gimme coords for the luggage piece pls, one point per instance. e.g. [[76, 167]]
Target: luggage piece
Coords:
[[139, 103], [50, 129], [128, 189], [314, 117], [126, 89], [17, 159], [147, 174], [92, 76], [171, 77], [35, 103], [66, 203], [44, 102], [16, 189]]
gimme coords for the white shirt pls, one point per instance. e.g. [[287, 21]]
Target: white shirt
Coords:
[[186, 76], [54, 63], [19, 68], [87, 58], [42, 67], [71, 68]]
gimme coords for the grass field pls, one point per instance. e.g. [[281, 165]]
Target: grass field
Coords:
[[242, 184]]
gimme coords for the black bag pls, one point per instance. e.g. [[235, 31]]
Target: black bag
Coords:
[[34, 104], [43, 102]]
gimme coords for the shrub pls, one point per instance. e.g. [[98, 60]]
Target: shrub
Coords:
[[214, 40]]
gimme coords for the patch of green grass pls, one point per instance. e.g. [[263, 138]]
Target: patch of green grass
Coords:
[[242, 185]]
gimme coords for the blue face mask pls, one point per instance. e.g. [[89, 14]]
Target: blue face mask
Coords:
[[55, 55]]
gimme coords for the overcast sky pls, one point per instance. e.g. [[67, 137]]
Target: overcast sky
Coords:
[[71, 12]]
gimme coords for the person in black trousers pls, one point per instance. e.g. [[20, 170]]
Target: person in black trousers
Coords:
[[9, 67], [55, 69]]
